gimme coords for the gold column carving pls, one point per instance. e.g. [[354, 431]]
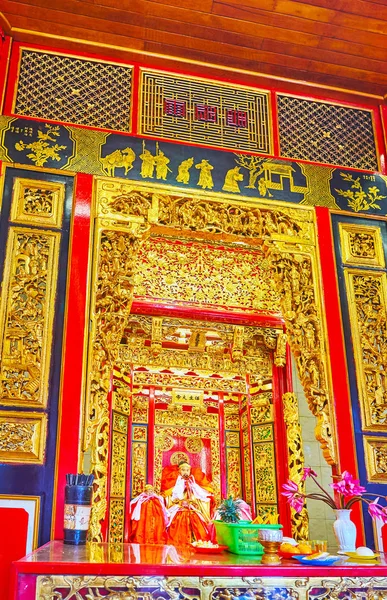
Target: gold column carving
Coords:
[[233, 449], [300, 521], [280, 350], [295, 273], [116, 248]]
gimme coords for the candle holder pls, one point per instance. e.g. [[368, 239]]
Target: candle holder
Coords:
[[270, 537]]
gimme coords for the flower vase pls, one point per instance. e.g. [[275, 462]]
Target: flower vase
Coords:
[[345, 531]]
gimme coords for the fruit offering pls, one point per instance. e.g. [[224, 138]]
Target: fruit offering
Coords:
[[301, 548]]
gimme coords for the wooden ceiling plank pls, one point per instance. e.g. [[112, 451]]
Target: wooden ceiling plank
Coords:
[[297, 24], [338, 57], [82, 21], [264, 56], [353, 49], [204, 33], [202, 6], [229, 24], [303, 77], [78, 7], [358, 7], [326, 56], [92, 35]]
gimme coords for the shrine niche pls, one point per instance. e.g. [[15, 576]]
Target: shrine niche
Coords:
[[157, 248]]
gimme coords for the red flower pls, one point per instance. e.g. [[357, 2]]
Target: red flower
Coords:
[[376, 511], [348, 486], [292, 493], [308, 472]]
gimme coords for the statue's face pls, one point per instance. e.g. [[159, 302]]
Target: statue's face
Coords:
[[185, 470], [149, 490]]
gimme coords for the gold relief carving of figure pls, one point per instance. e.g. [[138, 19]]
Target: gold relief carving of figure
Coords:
[[148, 163], [231, 180], [161, 162], [205, 178], [118, 159], [183, 170]]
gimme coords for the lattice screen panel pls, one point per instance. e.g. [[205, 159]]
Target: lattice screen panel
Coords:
[[201, 111], [74, 90], [326, 133]]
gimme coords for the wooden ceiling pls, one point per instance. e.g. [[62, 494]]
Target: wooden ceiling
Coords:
[[336, 43]]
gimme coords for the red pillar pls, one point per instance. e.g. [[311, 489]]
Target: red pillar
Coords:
[[340, 386], [70, 413]]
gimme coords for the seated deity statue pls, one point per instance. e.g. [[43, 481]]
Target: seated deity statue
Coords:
[[190, 505], [148, 518]]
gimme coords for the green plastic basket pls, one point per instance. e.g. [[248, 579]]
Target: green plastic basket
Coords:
[[241, 537]]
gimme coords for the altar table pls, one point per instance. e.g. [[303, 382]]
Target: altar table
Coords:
[[145, 572]]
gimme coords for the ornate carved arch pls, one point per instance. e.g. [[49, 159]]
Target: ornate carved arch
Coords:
[[125, 214]]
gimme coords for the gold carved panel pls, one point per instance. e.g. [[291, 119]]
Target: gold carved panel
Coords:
[[140, 409], [22, 437], [118, 465], [26, 315], [116, 520], [37, 202], [203, 274], [265, 473], [367, 301], [121, 400], [187, 419], [375, 450], [361, 245], [234, 479], [139, 467]]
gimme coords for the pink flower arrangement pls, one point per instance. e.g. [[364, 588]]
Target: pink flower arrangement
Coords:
[[348, 491]]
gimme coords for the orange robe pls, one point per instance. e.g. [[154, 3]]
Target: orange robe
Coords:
[[150, 528], [189, 508]]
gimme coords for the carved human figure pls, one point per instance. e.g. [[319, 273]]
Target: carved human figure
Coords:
[[183, 173], [310, 337], [148, 518], [161, 161], [189, 507], [205, 178], [233, 176], [148, 164]]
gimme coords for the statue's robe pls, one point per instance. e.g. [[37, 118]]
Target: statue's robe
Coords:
[[189, 507], [148, 519]]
